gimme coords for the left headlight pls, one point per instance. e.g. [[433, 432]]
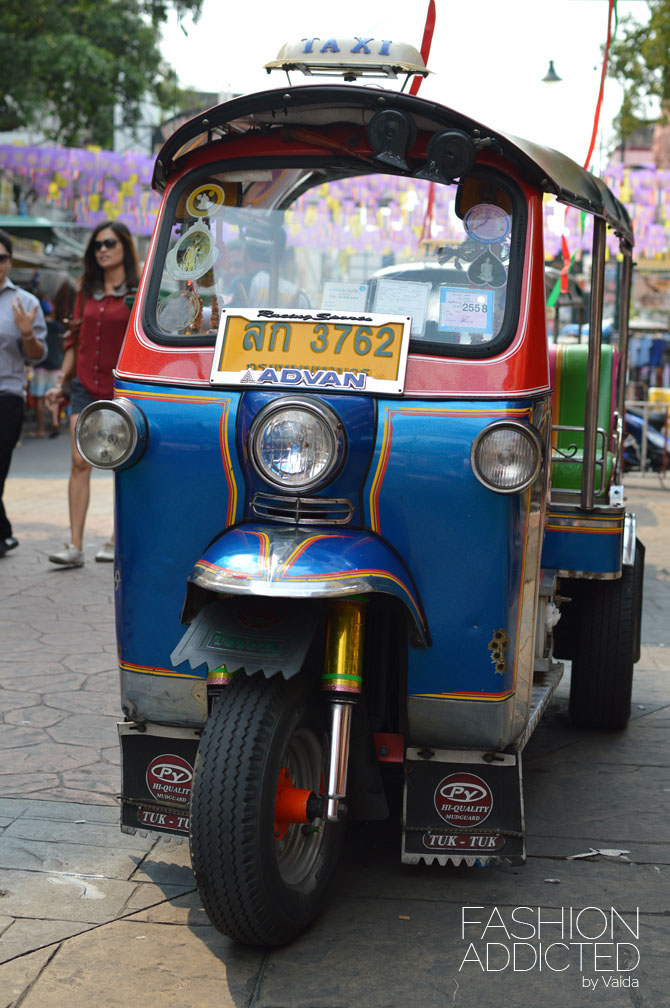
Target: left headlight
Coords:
[[506, 456], [296, 444], [111, 433]]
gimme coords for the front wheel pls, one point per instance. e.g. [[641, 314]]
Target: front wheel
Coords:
[[260, 881]]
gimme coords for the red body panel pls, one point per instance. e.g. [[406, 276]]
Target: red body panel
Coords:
[[521, 369]]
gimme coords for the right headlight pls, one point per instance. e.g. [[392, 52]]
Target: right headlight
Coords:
[[111, 433], [506, 456]]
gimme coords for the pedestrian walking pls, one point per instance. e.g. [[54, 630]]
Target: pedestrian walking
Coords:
[[22, 340], [46, 373], [92, 348]]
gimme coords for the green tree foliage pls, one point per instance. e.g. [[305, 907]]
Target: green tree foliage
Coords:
[[640, 61], [68, 63]]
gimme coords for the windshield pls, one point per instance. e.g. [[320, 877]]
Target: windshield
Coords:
[[373, 243]]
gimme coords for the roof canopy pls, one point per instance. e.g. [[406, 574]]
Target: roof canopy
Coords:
[[315, 106]]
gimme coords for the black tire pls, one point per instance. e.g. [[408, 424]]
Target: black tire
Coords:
[[607, 645], [256, 889]]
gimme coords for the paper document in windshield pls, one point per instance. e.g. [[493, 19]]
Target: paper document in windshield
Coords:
[[344, 297], [404, 297]]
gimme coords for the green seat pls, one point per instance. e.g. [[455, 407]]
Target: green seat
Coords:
[[568, 366]]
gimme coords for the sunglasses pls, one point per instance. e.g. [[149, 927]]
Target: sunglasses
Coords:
[[4, 257], [107, 243]]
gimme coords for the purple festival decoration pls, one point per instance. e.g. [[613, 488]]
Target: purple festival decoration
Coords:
[[92, 185]]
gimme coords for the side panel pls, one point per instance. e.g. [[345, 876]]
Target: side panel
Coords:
[[474, 555], [582, 543], [182, 494]]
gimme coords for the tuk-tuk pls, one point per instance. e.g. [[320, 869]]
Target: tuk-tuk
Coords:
[[363, 507]]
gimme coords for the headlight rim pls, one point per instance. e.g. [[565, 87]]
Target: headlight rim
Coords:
[[527, 431], [335, 428], [136, 421]]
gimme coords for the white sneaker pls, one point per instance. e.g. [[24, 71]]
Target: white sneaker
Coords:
[[70, 556], [106, 553]]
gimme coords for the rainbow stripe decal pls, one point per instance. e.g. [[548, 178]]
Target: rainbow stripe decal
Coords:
[[593, 525], [156, 670], [464, 695]]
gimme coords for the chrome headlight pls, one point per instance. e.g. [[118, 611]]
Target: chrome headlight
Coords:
[[111, 433], [296, 444], [506, 456]]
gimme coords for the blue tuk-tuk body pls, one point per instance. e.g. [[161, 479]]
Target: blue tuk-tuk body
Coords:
[[356, 491]]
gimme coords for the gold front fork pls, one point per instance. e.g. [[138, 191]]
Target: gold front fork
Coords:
[[342, 681]]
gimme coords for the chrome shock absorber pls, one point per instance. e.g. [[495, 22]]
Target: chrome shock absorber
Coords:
[[341, 682]]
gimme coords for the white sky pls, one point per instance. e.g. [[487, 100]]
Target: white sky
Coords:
[[488, 56]]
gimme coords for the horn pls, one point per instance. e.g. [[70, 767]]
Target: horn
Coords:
[[450, 155], [391, 134]]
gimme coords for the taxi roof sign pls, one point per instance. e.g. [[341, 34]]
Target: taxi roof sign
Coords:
[[349, 58]]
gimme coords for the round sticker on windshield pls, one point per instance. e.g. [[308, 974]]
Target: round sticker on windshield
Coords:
[[178, 311], [487, 223], [193, 255], [206, 200]]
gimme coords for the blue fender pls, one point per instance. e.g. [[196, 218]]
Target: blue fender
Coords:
[[255, 559]]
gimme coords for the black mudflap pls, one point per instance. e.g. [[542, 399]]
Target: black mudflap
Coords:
[[156, 777], [463, 806]]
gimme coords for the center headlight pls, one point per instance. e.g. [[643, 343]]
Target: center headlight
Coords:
[[296, 444]]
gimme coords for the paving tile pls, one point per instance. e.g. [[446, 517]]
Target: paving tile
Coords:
[[173, 967], [52, 831], [109, 796], [99, 777], [91, 665], [19, 736], [185, 908], [75, 897], [17, 976], [105, 682], [566, 802], [44, 757], [20, 784], [167, 864], [86, 729], [350, 957], [43, 677], [35, 716], [29, 934], [167, 903], [11, 700], [372, 869], [63, 811], [77, 859]]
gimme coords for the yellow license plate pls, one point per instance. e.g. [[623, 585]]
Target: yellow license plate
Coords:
[[321, 350]]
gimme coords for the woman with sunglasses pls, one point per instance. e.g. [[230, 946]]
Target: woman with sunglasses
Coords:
[[92, 349]]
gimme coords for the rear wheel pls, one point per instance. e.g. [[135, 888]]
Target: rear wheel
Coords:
[[606, 645], [261, 879]]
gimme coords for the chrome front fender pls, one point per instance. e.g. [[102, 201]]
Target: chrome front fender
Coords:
[[255, 559]]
